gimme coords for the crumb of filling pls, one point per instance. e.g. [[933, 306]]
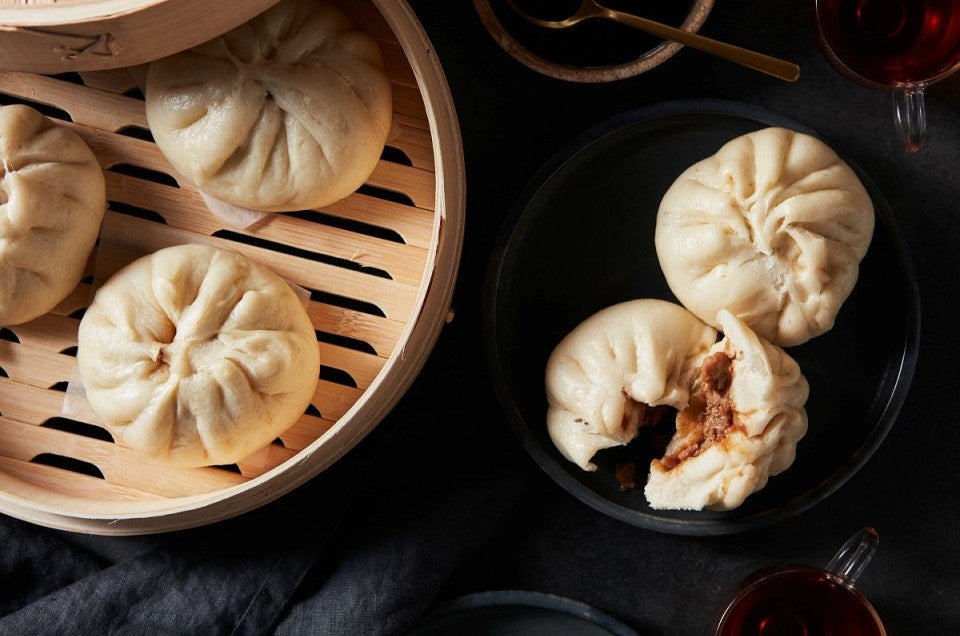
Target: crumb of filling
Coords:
[[626, 474], [710, 416], [639, 414]]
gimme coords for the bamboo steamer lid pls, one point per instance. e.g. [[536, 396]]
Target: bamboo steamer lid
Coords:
[[52, 36]]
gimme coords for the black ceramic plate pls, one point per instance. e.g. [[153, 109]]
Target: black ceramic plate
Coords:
[[582, 238], [518, 613]]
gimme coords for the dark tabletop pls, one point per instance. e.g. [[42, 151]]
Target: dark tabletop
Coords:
[[441, 500], [513, 120]]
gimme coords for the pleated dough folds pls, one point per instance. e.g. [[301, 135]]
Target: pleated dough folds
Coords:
[[289, 111], [52, 200], [197, 356], [771, 228]]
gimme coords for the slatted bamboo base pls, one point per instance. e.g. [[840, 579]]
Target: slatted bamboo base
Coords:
[[379, 266]]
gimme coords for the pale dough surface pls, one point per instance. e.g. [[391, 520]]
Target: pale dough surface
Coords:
[[196, 355], [52, 200], [289, 111], [772, 227], [643, 350]]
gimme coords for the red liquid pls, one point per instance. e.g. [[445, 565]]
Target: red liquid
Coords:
[[799, 601], [892, 42]]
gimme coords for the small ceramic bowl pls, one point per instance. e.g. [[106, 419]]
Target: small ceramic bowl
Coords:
[[595, 50]]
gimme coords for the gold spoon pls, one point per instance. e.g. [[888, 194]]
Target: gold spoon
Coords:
[[590, 9]]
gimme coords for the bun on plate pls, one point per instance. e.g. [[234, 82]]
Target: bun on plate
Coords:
[[771, 228], [739, 401]]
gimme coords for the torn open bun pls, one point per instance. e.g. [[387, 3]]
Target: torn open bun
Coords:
[[739, 401], [741, 426]]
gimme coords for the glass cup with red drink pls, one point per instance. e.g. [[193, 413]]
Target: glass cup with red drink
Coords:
[[902, 46], [803, 600]]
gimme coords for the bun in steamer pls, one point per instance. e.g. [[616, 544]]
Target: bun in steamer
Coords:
[[772, 228], [52, 200], [739, 401], [196, 355], [289, 111]]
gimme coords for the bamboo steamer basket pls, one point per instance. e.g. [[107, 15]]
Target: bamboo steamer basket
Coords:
[[380, 266]]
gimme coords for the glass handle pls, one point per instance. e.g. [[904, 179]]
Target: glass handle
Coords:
[[910, 115], [853, 556]]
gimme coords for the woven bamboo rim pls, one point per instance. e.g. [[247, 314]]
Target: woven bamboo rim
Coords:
[[380, 265], [50, 36]]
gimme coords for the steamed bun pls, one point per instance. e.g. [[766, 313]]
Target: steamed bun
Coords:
[[52, 200], [772, 228], [197, 356], [289, 111], [740, 427], [739, 401], [602, 377]]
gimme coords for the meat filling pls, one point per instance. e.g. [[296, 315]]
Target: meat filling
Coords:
[[638, 414], [710, 415]]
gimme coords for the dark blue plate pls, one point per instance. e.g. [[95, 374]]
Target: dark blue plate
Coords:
[[518, 613], [581, 239]]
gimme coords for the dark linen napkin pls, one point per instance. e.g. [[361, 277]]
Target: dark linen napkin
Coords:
[[363, 548]]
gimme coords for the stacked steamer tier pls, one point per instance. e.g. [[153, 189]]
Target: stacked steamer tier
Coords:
[[379, 267]]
